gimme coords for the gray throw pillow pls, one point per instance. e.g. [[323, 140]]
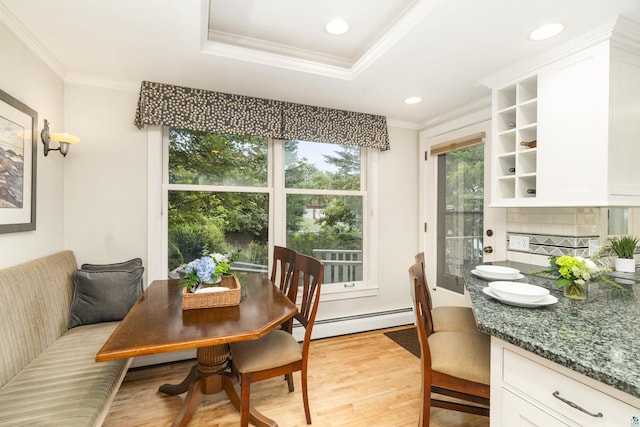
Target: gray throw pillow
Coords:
[[103, 296], [130, 265]]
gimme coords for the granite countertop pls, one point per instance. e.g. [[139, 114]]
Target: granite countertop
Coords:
[[599, 337]]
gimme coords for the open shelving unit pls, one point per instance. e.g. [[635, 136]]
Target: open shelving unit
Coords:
[[515, 145]]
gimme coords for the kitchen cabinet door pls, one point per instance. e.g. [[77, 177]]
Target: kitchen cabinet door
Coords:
[[573, 114]]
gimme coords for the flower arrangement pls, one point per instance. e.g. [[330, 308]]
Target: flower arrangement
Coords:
[[573, 273], [207, 270]]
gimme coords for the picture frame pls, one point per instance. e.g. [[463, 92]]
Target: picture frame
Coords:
[[18, 158]]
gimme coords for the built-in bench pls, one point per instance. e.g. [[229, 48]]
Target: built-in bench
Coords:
[[48, 373]]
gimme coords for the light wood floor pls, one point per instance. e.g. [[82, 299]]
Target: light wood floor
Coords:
[[356, 380]]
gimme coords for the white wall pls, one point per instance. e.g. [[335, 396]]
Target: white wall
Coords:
[[105, 176], [26, 78]]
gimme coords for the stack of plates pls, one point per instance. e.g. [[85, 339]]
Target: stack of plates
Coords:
[[519, 294], [497, 272]]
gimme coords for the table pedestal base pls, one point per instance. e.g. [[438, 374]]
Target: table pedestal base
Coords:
[[211, 376]]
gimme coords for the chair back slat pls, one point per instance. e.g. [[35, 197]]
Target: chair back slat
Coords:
[[419, 258], [307, 278], [282, 270], [423, 312]]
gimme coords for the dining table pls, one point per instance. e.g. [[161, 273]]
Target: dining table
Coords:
[[157, 323]]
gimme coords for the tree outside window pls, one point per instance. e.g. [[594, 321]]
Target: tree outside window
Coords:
[[218, 200]]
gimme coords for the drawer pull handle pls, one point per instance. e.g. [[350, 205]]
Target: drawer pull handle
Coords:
[[556, 394]]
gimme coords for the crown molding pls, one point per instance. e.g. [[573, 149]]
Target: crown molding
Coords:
[[627, 34], [275, 60], [482, 105], [403, 124], [16, 27], [306, 61], [81, 79], [278, 49]]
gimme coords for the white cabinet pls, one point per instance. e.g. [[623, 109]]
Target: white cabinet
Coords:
[[583, 111], [527, 390]]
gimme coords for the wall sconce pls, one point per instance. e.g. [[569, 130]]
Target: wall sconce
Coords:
[[64, 139]]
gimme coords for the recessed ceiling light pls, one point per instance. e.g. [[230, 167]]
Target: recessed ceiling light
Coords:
[[337, 26], [546, 31], [413, 100]]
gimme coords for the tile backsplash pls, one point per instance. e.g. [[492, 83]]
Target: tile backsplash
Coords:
[[554, 231]]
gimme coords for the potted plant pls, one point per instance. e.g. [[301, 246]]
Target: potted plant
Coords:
[[624, 247]]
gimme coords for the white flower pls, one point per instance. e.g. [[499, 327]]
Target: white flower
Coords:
[[218, 258]]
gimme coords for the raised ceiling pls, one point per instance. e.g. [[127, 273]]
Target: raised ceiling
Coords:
[[436, 49]]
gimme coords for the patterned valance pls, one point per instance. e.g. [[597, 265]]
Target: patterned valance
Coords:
[[202, 110]]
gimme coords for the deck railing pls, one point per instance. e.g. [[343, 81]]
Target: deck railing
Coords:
[[340, 265]]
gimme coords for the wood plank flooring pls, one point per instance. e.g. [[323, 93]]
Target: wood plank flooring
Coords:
[[355, 380]]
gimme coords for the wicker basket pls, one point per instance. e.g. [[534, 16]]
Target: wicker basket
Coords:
[[231, 297]]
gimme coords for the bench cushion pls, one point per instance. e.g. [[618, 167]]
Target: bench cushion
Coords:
[[35, 298], [65, 386]]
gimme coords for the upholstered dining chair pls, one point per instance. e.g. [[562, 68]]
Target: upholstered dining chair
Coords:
[[453, 363], [447, 318], [278, 352]]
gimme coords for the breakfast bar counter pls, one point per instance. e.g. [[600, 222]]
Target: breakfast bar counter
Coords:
[[599, 337]]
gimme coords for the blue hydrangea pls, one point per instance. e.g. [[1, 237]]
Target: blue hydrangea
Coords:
[[204, 268]]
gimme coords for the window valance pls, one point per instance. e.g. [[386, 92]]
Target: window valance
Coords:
[[202, 110]]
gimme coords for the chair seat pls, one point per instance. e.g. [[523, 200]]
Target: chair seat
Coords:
[[463, 355], [277, 348], [453, 318]]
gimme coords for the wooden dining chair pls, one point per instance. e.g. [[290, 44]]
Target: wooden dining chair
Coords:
[[278, 352], [453, 363], [449, 317]]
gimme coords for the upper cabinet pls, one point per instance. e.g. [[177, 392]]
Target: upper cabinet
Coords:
[[567, 134]]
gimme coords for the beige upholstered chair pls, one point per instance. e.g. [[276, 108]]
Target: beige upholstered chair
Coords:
[[448, 318], [278, 352], [453, 363]]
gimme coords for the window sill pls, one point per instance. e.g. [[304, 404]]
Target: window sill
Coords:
[[335, 292]]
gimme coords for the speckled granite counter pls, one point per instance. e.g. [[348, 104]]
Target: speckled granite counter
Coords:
[[599, 338]]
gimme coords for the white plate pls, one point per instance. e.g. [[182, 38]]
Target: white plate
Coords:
[[490, 277], [498, 271], [518, 291], [548, 300]]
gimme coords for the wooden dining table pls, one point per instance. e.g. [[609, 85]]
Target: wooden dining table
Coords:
[[157, 324]]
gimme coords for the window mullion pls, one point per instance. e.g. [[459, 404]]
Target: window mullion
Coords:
[[278, 225]]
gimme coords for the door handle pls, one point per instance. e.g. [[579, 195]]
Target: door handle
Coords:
[[487, 250]]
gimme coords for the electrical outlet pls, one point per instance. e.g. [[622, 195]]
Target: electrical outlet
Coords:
[[519, 243]]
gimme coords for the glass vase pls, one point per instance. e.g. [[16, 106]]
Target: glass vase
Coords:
[[577, 291]]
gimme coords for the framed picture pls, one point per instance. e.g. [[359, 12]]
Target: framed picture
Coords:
[[18, 154]]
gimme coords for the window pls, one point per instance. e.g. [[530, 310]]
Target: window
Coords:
[[324, 206], [218, 197], [239, 194]]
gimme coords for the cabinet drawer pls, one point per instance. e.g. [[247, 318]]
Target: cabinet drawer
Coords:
[[540, 383], [521, 413]]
